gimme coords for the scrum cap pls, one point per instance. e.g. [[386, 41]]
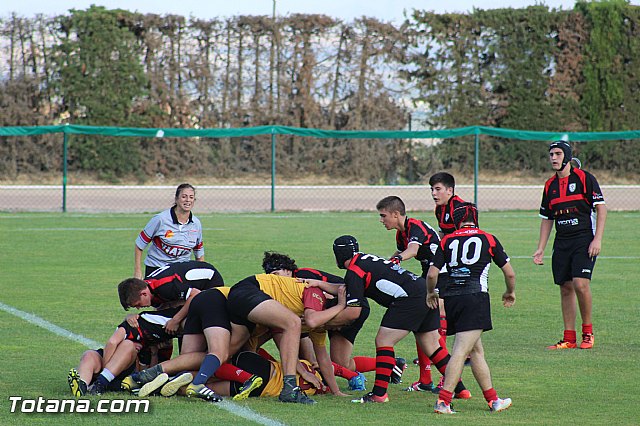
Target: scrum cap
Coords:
[[344, 248], [465, 212], [563, 144]]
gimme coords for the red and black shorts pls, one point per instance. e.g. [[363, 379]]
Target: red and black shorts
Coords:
[[468, 312], [243, 298], [571, 260], [412, 314], [207, 309]]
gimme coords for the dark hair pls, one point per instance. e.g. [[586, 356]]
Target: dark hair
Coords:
[[444, 178], [465, 213], [392, 204], [129, 291], [182, 187], [273, 261]]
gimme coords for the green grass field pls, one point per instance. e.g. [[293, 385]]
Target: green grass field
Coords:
[[64, 268]]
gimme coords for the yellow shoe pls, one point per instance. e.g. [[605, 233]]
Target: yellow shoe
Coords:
[[587, 341], [173, 385], [562, 344], [76, 384], [249, 386]]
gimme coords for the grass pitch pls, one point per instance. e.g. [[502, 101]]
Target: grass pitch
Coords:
[[64, 269]]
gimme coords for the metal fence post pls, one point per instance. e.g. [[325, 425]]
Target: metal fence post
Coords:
[[273, 170], [475, 164], [65, 148]]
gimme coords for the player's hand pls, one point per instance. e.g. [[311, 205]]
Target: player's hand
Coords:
[[342, 296], [172, 326], [339, 393], [132, 319], [508, 299], [309, 282], [432, 300], [538, 256], [396, 259], [594, 248], [312, 380]]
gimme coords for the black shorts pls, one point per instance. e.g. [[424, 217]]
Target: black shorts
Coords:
[[114, 385], [468, 312], [412, 314], [349, 331], [252, 363], [571, 259], [243, 298], [207, 309]]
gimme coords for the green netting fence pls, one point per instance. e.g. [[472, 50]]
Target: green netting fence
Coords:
[[330, 194]]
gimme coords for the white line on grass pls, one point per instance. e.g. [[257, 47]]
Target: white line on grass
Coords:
[[234, 409]]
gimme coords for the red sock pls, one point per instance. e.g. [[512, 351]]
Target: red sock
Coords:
[[587, 328], [365, 363], [343, 372], [440, 358], [570, 336], [385, 361], [232, 373], [425, 366], [445, 395], [264, 354], [443, 332], [490, 395]]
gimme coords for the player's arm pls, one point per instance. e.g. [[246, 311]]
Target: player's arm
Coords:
[[432, 280], [326, 369], [509, 296], [545, 231], [173, 324], [601, 217], [137, 268], [314, 318], [112, 344], [327, 287], [410, 252]]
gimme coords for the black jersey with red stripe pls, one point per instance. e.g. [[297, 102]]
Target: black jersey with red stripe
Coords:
[[173, 282], [150, 329], [570, 202], [316, 274], [468, 253], [419, 232], [380, 280], [444, 214]]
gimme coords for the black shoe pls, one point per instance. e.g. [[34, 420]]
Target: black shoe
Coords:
[[396, 373], [295, 395]]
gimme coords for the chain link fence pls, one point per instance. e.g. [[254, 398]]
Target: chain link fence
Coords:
[[272, 168]]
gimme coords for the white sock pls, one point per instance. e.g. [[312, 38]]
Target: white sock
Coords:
[[107, 375]]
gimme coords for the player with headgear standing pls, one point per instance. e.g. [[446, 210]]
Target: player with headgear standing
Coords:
[[571, 199]]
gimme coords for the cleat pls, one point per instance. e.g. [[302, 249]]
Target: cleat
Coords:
[[416, 361], [562, 344], [467, 362], [76, 384], [370, 397], [130, 385], [587, 341], [172, 386], [249, 386], [436, 389], [295, 396], [499, 405], [463, 394], [396, 373], [420, 387], [97, 388], [202, 392], [357, 383], [442, 407], [153, 385]]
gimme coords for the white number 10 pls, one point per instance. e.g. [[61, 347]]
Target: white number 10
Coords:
[[465, 254]]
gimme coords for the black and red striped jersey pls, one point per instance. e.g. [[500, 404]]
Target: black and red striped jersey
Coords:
[[468, 253], [150, 329], [570, 202], [173, 282], [317, 275], [419, 232], [444, 214], [370, 276]]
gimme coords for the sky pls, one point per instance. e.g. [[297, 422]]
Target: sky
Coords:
[[384, 10]]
